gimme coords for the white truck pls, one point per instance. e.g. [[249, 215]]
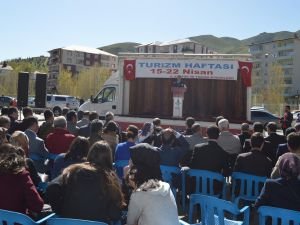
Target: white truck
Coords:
[[140, 89]]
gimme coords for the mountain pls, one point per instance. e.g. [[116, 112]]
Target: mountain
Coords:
[[266, 37], [222, 45], [120, 47]]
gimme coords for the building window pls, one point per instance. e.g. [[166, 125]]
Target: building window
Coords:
[[88, 63], [88, 55]]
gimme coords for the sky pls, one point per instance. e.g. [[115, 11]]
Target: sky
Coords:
[[30, 28]]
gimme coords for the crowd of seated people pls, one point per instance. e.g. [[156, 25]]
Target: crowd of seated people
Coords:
[[76, 151]]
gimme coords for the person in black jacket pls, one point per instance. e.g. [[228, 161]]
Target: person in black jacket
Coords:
[[287, 119], [88, 191], [245, 162]]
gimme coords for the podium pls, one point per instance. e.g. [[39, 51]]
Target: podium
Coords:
[[178, 96]]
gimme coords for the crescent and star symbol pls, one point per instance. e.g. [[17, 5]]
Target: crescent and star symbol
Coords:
[[246, 68]]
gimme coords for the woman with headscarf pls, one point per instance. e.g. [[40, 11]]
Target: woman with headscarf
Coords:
[[152, 201], [283, 192]]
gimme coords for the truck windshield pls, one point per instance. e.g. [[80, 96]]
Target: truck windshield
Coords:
[[106, 95]]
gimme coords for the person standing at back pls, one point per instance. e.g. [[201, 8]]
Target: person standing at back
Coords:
[[287, 119]]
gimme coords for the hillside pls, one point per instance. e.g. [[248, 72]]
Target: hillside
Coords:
[[120, 47]]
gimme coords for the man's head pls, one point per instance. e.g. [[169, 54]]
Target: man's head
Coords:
[[86, 114], [71, 116], [156, 122], [218, 119], [109, 116], [257, 140], [13, 112], [168, 136], [48, 115], [189, 122], [223, 125], [60, 122], [96, 126], [287, 108], [27, 111], [5, 122], [213, 132], [289, 130], [258, 127], [196, 128], [65, 111], [293, 141], [271, 127], [4, 111], [31, 123], [245, 128], [93, 115], [297, 127]]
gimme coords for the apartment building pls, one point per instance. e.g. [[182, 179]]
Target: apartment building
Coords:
[[286, 54], [177, 46], [76, 59]]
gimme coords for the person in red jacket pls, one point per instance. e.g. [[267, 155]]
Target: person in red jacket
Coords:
[[17, 191], [60, 140]]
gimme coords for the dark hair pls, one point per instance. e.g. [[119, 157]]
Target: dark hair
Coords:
[[4, 110], [4, 120], [48, 114], [218, 119], [189, 121], [272, 126], [287, 106], [3, 138], [107, 181], [213, 132], [12, 159], [100, 155], [12, 110], [96, 126], [132, 132], [78, 149], [293, 140], [80, 114], [110, 127], [93, 115], [257, 139], [146, 165], [29, 121], [258, 127], [289, 130], [70, 115], [27, 111], [196, 128], [156, 121], [167, 137], [65, 110]]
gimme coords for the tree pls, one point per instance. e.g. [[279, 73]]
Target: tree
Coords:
[[84, 84], [273, 93]]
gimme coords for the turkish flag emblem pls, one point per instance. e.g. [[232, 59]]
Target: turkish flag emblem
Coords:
[[129, 69], [245, 71]]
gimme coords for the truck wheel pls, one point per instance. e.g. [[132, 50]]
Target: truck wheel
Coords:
[[57, 111]]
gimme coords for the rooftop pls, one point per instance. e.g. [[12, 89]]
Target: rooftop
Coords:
[[85, 49], [179, 41]]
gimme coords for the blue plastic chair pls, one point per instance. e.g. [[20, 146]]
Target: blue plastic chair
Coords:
[[168, 173], [67, 221], [12, 218], [249, 186], [119, 166], [181, 222], [278, 214], [213, 209], [204, 183]]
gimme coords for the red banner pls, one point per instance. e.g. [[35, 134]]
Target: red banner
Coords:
[[245, 71], [129, 69]]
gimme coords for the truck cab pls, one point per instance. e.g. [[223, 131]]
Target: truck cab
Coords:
[[106, 99]]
